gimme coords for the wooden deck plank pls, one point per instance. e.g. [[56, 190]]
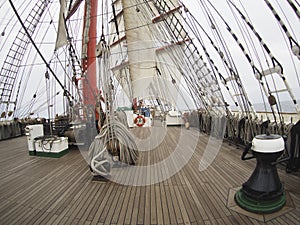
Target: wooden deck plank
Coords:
[[201, 210], [184, 213], [147, 208], [158, 206], [131, 200], [141, 209], [98, 202], [77, 211], [153, 198], [176, 205], [38, 190], [61, 203], [134, 218], [118, 208], [104, 201], [189, 205], [106, 217], [170, 205], [124, 206], [205, 199], [281, 221], [166, 216]]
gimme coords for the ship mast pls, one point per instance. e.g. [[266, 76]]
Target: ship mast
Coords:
[[89, 80]]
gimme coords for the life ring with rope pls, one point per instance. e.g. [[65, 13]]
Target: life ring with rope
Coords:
[[140, 121]]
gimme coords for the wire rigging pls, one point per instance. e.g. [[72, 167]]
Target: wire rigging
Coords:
[[41, 55]]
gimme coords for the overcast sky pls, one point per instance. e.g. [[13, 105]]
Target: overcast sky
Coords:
[[262, 18], [266, 25]]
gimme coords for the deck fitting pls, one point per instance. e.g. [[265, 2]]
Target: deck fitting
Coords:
[[256, 206], [263, 217]]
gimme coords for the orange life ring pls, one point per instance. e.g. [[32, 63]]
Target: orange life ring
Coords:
[[140, 121]]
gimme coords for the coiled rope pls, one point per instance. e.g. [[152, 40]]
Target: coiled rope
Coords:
[[103, 149]]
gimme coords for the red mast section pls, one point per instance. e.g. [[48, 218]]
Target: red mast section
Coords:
[[89, 81]]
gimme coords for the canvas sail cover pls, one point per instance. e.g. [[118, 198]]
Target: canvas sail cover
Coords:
[[141, 49], [141, 57], [61, 38]]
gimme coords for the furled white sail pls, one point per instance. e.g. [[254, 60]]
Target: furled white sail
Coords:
[[141, 57], [61, 38], [141, 49]]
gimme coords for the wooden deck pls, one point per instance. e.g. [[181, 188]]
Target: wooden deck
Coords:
[[39, 190]]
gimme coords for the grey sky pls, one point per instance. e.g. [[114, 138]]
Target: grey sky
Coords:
[[268, 28], [257, 10]]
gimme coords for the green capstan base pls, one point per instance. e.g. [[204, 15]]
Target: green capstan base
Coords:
[[261, 207]]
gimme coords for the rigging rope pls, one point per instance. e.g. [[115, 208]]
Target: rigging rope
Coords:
[[294, 7], [232, 71], [258, 74], [67, 94], [234, 78], [171, 25], [293, 43], [100, 152], [3, 33], [25, 78], [114, 142], [274, 60]]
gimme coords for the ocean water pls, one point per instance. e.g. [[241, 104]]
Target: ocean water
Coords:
[[286, 106]]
